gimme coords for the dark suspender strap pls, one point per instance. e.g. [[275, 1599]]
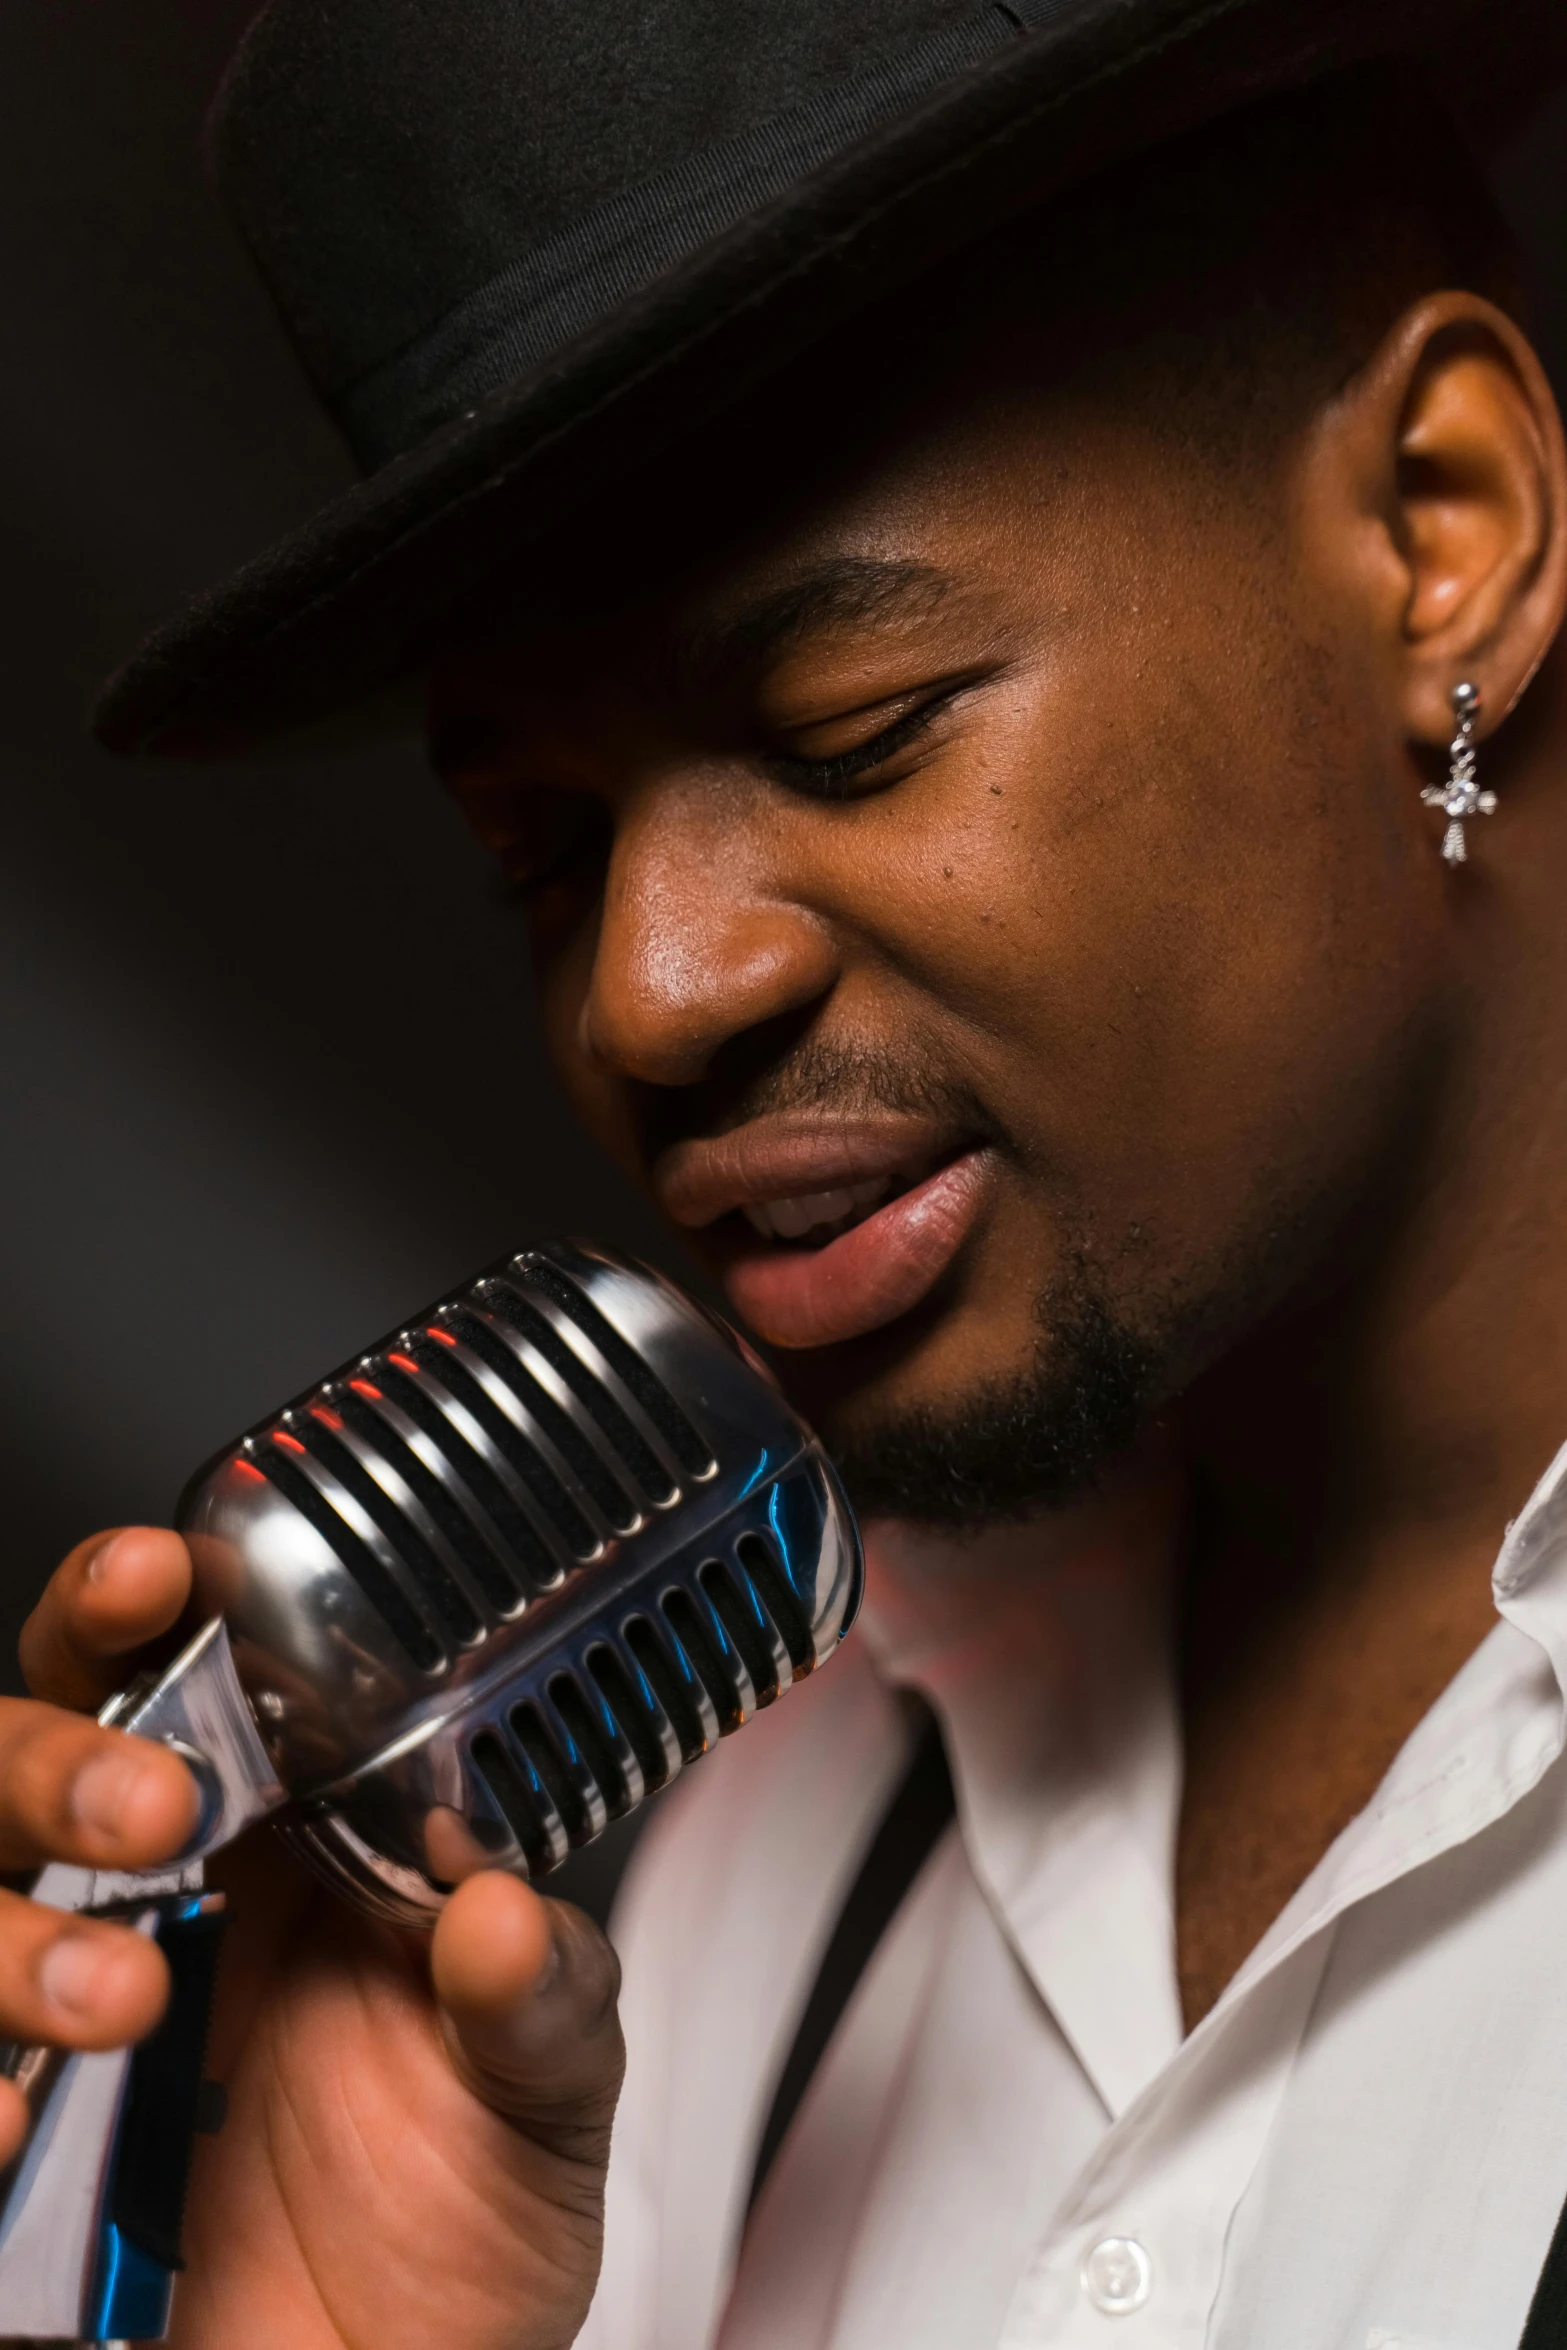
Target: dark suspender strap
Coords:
[[909, 1832], [914, 1820], [1546, 2326]]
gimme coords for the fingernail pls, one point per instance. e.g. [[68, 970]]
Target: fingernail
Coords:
[[548, 1972], [101, 1564], [103, 1791], [72, 1970]]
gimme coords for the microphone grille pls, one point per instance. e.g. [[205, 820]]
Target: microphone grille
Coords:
[[515, 1566], [490, 1447]]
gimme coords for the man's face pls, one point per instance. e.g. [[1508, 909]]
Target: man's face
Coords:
[[976, 881]]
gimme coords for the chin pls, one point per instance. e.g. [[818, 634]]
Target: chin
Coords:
[[925, 1363], [952, 1419]]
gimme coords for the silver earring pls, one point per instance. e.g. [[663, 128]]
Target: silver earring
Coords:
[[1459, 798]]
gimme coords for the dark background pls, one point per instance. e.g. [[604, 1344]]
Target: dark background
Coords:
[[268, 1068], [268, 1076]]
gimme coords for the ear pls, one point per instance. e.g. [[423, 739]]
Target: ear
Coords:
[[1449, 445]]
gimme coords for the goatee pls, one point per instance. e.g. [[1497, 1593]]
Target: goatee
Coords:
[[1012, 1448]]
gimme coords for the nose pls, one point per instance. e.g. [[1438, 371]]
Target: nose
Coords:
[[701, 938]]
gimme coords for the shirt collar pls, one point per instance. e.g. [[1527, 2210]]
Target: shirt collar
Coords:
[[1045, 1651], [1487, 1741]]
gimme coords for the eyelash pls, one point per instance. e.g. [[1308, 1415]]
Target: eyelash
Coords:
[[829, 779], [570, 841]]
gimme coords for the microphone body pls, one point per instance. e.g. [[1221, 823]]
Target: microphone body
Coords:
[[470, 1597]]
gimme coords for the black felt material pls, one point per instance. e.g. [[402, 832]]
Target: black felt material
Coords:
[[491, 125], [533, 305], [914, 1821], [523, 245]]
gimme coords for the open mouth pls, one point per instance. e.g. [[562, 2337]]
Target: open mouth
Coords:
[[814, 1268], [826, 1228], [816, 1217]]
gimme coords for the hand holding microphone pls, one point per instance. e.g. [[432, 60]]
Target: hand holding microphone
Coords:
[[381, 2180], [488, 1585]]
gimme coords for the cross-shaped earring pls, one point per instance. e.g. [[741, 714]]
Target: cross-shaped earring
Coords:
[[1459, 798]]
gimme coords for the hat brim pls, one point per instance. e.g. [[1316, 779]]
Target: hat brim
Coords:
[[326, 619]]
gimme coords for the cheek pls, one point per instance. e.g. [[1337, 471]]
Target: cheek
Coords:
[[563, 954], [1179, 936]]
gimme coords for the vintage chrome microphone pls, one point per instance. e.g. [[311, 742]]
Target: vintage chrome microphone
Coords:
[[477, 1593]]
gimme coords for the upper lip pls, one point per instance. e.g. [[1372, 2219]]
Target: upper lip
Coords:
[[787, 1156]]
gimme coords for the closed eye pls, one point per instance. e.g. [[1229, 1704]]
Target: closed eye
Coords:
[[834, 777], [543, 838]]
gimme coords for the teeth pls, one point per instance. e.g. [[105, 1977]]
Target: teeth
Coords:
[[791, 1219]]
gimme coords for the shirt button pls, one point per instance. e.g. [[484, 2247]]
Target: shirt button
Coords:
[[1118, 2276]]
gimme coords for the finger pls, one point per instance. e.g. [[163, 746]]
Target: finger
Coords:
[[115, 1592], [527, 1990], [100, 1798], [75, 1982], [13, 2122]]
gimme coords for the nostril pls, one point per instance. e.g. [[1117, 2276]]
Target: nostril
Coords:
[[687, 992], [647, 1036]]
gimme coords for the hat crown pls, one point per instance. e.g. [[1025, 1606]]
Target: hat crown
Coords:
[[385, 159], [529, 248]]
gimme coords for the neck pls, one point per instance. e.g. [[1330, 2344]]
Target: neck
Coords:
[[1356, 1463]]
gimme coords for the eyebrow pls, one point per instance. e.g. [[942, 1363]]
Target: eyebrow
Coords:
[[848, 591]]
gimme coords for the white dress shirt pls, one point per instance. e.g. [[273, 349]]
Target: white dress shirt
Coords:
[[1009, 2144]]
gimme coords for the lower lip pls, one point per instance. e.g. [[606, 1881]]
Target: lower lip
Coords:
[[868, 1277]]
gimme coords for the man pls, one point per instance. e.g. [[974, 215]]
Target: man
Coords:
[[959, 682]]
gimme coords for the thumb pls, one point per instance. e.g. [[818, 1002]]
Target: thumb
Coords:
[[527, 1992]]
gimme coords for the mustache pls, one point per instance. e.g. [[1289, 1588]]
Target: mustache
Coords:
[[846, 1079]]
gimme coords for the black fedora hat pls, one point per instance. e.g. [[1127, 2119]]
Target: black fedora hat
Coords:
[[515, 239]]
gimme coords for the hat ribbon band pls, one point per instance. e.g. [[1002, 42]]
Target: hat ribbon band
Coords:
[[539, 303]]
